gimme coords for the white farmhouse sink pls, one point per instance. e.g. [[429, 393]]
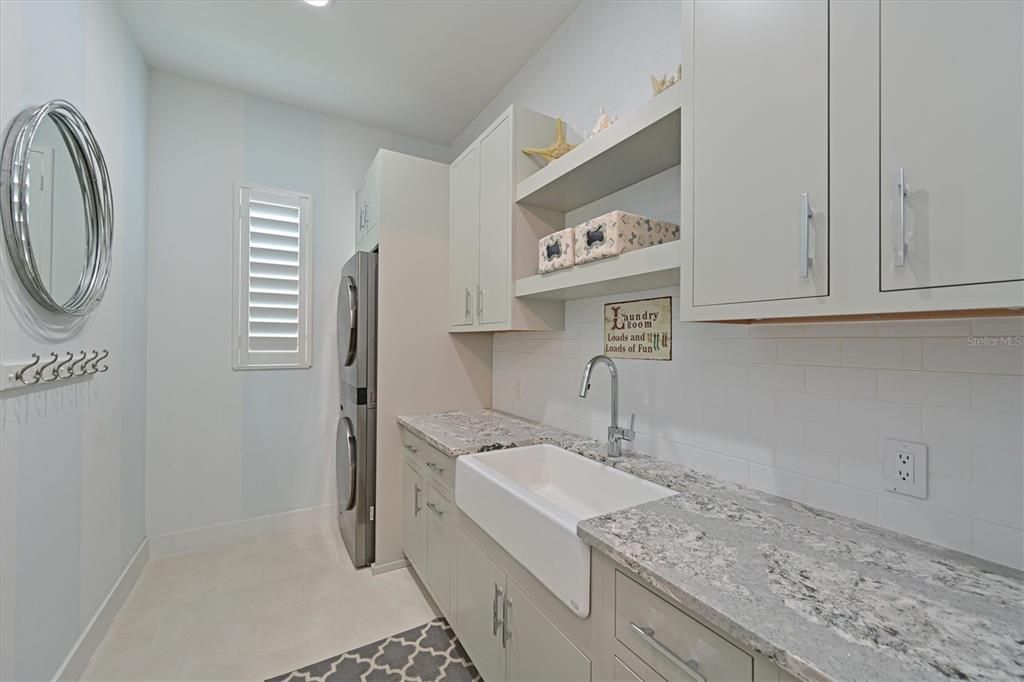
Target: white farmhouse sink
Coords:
[[530, 499]]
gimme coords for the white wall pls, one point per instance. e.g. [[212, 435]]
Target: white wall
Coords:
[[798, 410], [72, 462], [226, 446]]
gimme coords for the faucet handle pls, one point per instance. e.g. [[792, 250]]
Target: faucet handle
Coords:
[[630, 433]]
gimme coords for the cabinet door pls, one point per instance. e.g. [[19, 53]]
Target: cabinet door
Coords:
[[463, 237], [759, 130], [952, 121], [479, 591], [414, 530], [495, 301], [536, 649], [440, 514], [361, 223]]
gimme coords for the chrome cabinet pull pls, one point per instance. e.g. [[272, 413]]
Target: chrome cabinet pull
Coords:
[[506, 629], [495, 621], [468, 311], [901, 232], [411, 449], [416, 501], [689, 667], [806, 259], [436, 468], [479, 303], [434, 508]]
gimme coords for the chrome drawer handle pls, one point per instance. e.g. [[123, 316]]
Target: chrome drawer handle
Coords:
[[416, 502], [506, 629], [688, 667], [434, 508], [495, 621], [438, 469], [411, 449]]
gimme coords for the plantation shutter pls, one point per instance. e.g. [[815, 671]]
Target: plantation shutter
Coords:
[[273, 282]]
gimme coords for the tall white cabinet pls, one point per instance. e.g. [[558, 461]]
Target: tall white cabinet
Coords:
[[492, 239], [850, 158]]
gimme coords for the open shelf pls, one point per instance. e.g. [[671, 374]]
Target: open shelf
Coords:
[[650, 268], [637, 146]]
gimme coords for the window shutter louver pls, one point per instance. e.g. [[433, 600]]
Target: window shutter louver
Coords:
[[273, 282]]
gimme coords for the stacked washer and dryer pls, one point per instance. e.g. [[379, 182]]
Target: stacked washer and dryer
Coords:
[[356, 443]]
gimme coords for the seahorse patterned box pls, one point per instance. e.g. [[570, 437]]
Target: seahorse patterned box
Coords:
[[556, 251], [619, 232]]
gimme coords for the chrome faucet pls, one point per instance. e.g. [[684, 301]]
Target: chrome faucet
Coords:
[[616, 434]]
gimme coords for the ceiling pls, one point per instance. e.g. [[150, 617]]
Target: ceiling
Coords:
[[421, 68]]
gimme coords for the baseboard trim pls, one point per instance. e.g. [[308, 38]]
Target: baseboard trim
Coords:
[[377, 569], [78, 658], [235, 531]]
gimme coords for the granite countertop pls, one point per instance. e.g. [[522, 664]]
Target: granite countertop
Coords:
[[824, 596]]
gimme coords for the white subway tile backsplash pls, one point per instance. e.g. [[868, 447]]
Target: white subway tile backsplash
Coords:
[[807, 462], [843, 381], [973, 355], [772, 406], [998, 393], [925, 388], [840, 499], [809, 351], [893, 419], [777, 482], [999, 467], [777, 377], [882, 353], [842, 440], [999, 543], [927, 523]]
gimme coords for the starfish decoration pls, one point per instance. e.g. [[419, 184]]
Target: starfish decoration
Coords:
[[660, 85], [557, 149]]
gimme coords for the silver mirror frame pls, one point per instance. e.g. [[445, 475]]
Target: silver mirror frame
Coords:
[[94, 180]]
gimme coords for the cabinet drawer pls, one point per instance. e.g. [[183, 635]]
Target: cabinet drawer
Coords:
[[670, 641], [437, 465], [623, 673]]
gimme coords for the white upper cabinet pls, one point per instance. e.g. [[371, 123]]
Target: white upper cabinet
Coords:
[[758, 130], [492, 240], [464, 237], [494, 296], [952, 126], [368, 209]]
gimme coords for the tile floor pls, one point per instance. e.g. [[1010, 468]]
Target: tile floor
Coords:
[[253, 610]]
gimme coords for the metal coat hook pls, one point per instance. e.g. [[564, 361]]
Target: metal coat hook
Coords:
[[72, 371], [92, 360], [20, 374], [58, 370], [105, 367], [42, 368]]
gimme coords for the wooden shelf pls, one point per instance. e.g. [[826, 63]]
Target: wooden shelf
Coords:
[[637, 146], [650, 268]]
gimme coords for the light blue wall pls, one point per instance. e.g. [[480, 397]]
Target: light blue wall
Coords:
[[72, 466]]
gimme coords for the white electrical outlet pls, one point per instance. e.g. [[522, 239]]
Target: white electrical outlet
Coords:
[[906, 467]]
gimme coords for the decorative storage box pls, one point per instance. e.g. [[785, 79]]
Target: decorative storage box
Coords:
[[556, 251], [618, 232]]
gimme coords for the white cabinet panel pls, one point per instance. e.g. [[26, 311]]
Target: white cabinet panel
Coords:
[[414, 516], [440, 516], [759, 139], [479, 591], [536, 649], [464, 236], [952, 75], [494, 295]]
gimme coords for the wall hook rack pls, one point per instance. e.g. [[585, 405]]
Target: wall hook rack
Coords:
[[53, 371]]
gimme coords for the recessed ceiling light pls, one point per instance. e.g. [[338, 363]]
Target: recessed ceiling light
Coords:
[[318, 3]]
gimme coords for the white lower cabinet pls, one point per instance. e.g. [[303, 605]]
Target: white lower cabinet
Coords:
[[439, 546], [506, 635], [413, 517], [428, 520]]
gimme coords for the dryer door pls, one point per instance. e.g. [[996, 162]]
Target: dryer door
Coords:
[[345, 464]]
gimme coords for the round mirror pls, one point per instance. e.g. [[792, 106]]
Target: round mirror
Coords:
[[57, 208]]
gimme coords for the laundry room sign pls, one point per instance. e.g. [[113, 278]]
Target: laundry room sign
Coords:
[[639, 330]]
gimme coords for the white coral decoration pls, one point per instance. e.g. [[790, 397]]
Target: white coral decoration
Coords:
[[603, 121]]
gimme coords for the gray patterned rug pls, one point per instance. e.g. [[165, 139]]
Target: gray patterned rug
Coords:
[[428, 653]]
